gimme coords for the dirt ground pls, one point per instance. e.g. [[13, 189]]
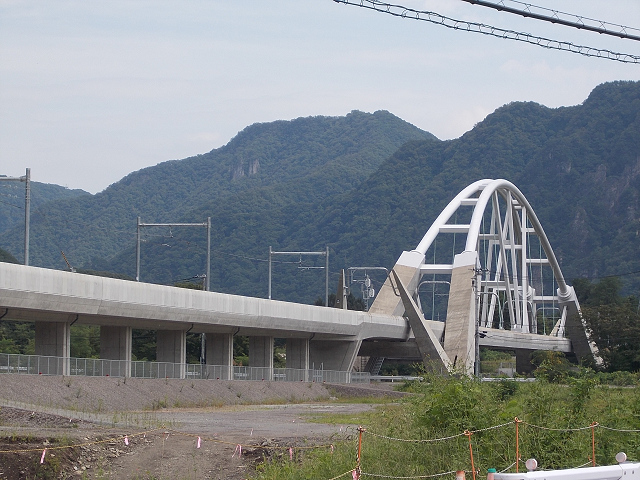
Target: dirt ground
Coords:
[[236, 424]]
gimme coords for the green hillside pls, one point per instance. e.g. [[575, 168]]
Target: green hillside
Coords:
[[12, 200], [578, 166], [369, 186], [314, 157]]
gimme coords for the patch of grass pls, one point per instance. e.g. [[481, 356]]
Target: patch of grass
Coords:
[[444, 408], [321, 463], [359, 418], [369, 400], [158, 404], [48, 470]]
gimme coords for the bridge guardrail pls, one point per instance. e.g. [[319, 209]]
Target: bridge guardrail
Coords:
[[98, 367]]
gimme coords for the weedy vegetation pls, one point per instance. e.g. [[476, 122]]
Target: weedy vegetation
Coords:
[[446, 408]]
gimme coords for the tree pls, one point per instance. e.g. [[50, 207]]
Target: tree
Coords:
[[17, 337], [616, 331], [613, 321], [85, 341], [605, 292]]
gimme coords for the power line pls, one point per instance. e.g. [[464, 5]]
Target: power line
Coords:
[[580, 22], [12, 205], [436, 18], [613, 275]]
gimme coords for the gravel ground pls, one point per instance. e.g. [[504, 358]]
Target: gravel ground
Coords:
[[162, 420]]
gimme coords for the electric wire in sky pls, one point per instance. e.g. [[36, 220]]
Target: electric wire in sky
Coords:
[[436, 18], [562, 18]]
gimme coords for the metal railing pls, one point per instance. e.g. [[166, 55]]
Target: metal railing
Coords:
[[94, 367]]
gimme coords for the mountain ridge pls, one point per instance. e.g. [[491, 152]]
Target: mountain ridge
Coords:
[[103, 224], [579, 167]]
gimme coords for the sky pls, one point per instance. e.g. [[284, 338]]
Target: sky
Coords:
[[92, 91]]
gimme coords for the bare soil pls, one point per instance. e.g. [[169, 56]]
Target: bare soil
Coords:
[[162, 420]]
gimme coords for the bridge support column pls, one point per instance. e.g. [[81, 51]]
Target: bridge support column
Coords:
[[171, 347], [261, 357], [53, 339], [298, 358], [219, 353], [460, 328], [339, 355], [115, 344]]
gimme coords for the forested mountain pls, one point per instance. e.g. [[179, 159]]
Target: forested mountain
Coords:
[[368, 186], [578, 166], [12, 200], [310, 158]]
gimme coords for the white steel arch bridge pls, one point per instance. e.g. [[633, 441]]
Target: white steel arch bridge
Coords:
[[506, 288]]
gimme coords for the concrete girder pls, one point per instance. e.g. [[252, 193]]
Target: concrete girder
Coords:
[[37, 294]]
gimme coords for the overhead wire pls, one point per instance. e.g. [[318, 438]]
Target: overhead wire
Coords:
[[489, 30], [579, 23], [12, 205]]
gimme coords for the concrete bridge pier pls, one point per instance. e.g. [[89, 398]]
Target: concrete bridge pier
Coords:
[[115, 344], [460, 337], [171, 347], [219, 352], [53, 339], [334, 354], [261, 355], [298, 358]]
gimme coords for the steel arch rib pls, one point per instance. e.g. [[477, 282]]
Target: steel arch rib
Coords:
[[498, 186], [447, 213], [488, 187]]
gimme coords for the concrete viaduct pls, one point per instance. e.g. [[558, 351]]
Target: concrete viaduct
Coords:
[[395, 327]]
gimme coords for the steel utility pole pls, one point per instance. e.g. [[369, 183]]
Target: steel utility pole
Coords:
[[367, 291], [27, 208], [326, 268], [207, 224]]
